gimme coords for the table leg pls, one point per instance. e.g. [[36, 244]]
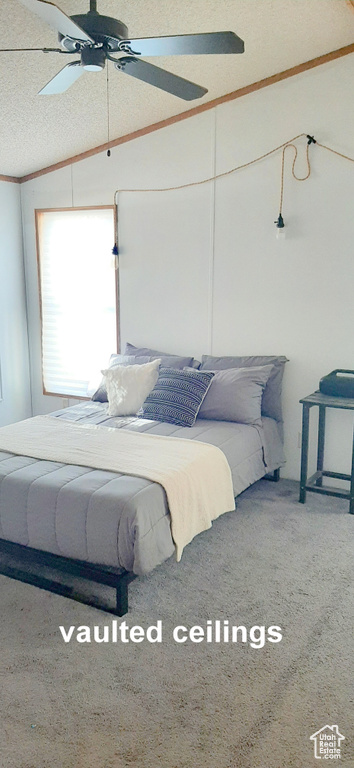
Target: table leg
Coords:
[[351, 492], [321, 441], [304, 451]]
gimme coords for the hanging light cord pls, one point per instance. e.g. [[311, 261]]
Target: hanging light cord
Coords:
[[311, 140], [244, 165], [283, 147], [298, 178]]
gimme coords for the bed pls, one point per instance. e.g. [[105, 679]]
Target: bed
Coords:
[[109, 526]]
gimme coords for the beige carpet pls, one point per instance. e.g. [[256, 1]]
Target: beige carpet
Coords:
[[195, 705]]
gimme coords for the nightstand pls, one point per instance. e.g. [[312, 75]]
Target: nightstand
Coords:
[[315, 482]]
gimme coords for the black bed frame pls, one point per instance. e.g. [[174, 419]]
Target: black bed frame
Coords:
[[118, 578]]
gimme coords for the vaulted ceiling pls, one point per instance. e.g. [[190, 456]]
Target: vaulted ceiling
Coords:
[[37, 131]]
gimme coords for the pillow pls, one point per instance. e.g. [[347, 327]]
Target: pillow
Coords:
[[128, 386], [271, 402], [172, 361], [99, 393], [167, 361], [236, 395], [177, 396]]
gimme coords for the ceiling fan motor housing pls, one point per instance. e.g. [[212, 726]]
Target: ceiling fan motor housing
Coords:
[[104, 30]]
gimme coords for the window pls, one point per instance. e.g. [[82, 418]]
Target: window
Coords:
[[78, 296]]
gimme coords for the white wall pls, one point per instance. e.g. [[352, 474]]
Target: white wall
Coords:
[[164, 278], [15, 401], [201, 270]]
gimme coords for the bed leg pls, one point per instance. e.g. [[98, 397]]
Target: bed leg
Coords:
[[273, 476], [122, 595]]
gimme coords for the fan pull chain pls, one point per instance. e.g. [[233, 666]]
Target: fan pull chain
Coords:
[[108, 121]]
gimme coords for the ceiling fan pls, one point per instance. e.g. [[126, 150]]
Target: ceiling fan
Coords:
[[95, 38]]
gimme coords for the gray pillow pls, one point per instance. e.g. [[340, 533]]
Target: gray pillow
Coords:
[[100, 396], [236, 395], [271, 402], [168, 360]]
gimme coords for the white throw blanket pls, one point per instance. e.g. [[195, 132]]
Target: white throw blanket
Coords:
[[196, 476]]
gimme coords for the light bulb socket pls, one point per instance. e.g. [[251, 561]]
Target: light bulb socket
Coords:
[[280, 222]]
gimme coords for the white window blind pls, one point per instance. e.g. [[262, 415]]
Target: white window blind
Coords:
[[78, 295]]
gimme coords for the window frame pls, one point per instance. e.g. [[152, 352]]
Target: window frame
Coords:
[[38, 212]]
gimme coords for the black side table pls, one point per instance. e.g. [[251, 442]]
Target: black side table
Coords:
[[315, 482]]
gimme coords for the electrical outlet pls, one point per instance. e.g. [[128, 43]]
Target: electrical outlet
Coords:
[[65, 402]]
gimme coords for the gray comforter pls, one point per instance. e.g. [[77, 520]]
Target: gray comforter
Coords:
[[109, 518]]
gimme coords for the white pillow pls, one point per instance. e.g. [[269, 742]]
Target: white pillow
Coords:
[[129, 385]]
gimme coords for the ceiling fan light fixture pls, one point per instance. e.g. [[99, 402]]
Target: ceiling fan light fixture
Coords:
[[93, 59], [96, 37]]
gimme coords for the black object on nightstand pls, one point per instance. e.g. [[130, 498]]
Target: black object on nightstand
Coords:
[[315, 482]]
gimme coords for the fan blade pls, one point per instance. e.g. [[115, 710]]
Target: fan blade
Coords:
[[57, 19], [160, 78], [210, 42], [64, 79]]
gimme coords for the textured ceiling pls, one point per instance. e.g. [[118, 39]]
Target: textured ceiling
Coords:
[[37, 131]]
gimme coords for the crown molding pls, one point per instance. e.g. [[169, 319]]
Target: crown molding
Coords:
[[12, 179]]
